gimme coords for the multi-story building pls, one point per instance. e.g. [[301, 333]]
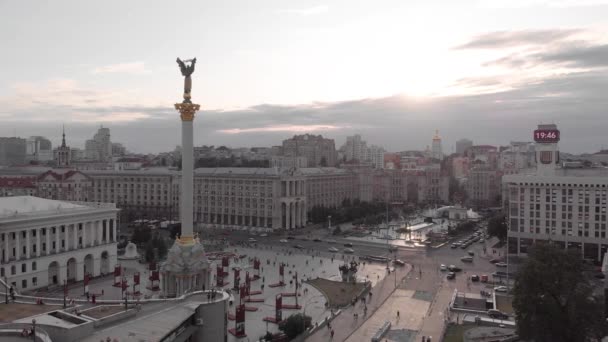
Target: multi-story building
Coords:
[[486, 154], [354, 148], [62, 154], [561, 205], [284, 162], [39, 149], [517, 156], [47, 242], [462, 145], [483, 186], [436, 150], [317, 150], [329, 186], [100, 147], [65, 185], [18, 186], [461, 167], [12, 151]]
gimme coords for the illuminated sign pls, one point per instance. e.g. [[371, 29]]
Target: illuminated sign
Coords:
[[546, 135]]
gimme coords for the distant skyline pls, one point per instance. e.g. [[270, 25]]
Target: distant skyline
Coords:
[[392, 71]]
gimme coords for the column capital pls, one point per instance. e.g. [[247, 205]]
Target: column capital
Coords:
[[187, 110]]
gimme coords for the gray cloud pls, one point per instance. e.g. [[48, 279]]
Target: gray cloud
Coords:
[[505, 39], [579, 56]]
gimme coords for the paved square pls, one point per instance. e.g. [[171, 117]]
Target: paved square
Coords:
[[411, 314]]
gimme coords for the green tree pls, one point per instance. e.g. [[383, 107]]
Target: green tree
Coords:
[[553, 300], [141, 235], [497, 226], [295, 324]]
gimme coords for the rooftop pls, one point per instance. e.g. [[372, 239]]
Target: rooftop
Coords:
[[22, 207]]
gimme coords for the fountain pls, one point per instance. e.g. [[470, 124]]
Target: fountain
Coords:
[[130, 252]]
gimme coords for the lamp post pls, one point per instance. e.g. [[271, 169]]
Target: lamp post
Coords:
[[34, 329], [6, 290], [329, 222]]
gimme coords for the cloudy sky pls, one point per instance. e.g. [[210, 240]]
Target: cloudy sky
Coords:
[[391, 70]]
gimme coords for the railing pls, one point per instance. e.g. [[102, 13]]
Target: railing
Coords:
[[16, 329]]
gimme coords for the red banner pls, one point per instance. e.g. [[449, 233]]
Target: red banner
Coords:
[[225, 262], [117, 270], [136, 278], [244, 291], [256, 264], [247, 279], [124, 284], [155, 275]]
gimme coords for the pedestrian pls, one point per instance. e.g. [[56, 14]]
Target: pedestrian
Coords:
[[397, 313], [332, 334]]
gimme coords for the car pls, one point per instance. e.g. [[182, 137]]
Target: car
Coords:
[[398, 262], [503, 289], [443, 267], [497, 314], [600, 275], [290, 237], [495, 260], [464, 246], [298, 246], [348, 244], [252, 240], [283, 240], [482, 240], [316, 240], [474, 277], [263, 235], [333, 249], [331, 241], [467, 258], [471, 253], [454, 268], [451, 275], [454, 246], [484, 278], [393, 248], [500, 264], [349, 250]]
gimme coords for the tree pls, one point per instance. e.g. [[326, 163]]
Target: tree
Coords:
[[295, 324], [337, 230], [141, 235], [497, 226], [553, 300]]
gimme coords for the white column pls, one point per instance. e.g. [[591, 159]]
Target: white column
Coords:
[[57, 242], [98, 230], [17, 244], [85, 225], [287, 215], [48, 240], [115, 229], [6, 252], [38, 243], [296, 209], [187, 179], [27, 243], [75, 238]]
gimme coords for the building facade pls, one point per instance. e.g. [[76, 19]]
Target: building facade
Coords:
[[12, 151], [566, 207], [436, 150], [462, 145], [46, 242], [100, 147], [39, 149], [483, 186], [317, 150], [18, 186]]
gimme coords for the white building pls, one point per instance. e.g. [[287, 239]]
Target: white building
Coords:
[[436, 150], [462, 145], [100, 147], [46, 242], [565, 206], [39, 149], [517, 156]]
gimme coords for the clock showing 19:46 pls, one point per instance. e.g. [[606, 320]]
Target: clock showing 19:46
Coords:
[[546, 135]]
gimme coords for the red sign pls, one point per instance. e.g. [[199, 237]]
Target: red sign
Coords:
[[546, 135], [256, 264], [247, 279], [281, 269], [117, 270], [240, 320], [278, 305], [225, 262], [136, 278]]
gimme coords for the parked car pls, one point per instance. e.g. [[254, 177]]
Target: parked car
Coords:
[[474, 277], [399, 262], [349, 250], [501, 264], [290, 237], [298, 246], [283, 240], [497, 314], [333, 249], [600, 275], [495, 260], [348, 244], [451, 275], [484, 278], [471, 253], [454, 245], [331, 241], [252, 240], [482, 240], [443, 267], [316, 240], [503, 289], [263, 235], [467, 258]]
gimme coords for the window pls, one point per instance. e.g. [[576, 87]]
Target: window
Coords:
[[34, 281], [13, 270], [24, 283], [23, 268], [33, 266]]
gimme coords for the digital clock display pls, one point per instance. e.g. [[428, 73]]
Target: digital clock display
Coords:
[[546, 135]]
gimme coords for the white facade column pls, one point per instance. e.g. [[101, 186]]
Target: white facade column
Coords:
[[287, 215], [115, 228], [98, 228], [48, 240], [38, 243], [6, 251], [57, 245], [75, 237], [28, 244], [304, 214], [85, 225], [18, 245], [296, 221]]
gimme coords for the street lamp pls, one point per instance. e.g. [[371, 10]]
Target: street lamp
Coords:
[[34, 329], [329, 222]]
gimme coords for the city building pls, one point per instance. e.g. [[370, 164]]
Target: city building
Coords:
[[483, 186], [354, 148], [517, 156], [62, 154], [486, 154], [100, 147], [39, 149], [462, 145], [65, 185], [317, 150], [12, 151], [461, 167], [564, 206], [47, 242], [18, 186], [436, 150], [118, 150], [284, 162]]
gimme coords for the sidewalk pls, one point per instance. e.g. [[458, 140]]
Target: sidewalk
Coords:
[[434, 324], [345, 324]]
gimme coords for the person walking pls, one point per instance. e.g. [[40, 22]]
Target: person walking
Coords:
[[332, 334]]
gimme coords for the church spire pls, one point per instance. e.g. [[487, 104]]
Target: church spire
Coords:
[[63, 140]]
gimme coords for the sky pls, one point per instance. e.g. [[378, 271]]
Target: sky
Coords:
[[393, 71]]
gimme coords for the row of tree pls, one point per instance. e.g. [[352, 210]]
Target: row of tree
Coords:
[[356, 211]]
